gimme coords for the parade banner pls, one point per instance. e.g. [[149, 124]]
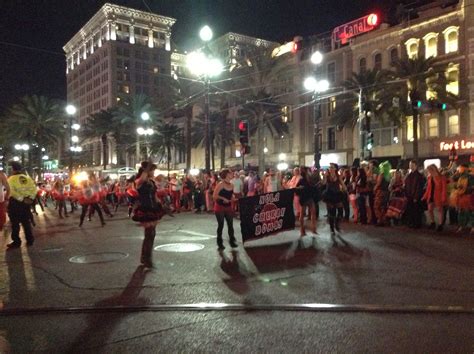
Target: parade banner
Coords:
[[266, 214]]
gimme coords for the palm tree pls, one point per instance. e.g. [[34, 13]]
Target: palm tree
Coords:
[[178, 100], [37, 120], [167, 136], [220, 134], [260, 73], [128, 115], [100, 124], [367, 92], [417, 73]]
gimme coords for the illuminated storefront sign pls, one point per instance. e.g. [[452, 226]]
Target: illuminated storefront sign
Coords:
[[354, 28], [458, 145]]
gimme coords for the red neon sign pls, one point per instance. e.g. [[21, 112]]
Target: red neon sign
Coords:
[[354, 28]]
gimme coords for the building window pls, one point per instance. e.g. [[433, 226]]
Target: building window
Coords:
[[362, 65], [332, 72], [410, 134], [332, 138], [378, 61], [433, 127], [431, 45], [331, 106], [452, 75], [285, 114], [412, 47], [451, 39], [453, 125], [393, 56]]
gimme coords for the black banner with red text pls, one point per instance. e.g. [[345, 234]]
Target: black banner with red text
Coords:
[[266, 214]]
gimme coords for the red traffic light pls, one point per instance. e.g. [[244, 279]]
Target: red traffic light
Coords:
[[242, 125], [372, 20]]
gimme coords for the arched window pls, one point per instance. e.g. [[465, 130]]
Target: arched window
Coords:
[[393, 56], [452, 74], [431, 45], [451, 39], [362, 65], [412, 47], [378, 61]]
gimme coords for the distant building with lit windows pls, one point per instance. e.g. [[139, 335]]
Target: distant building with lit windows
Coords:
[[440, 29], [119, 50]]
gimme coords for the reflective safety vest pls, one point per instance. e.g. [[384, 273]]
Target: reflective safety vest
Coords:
[[21, 187]]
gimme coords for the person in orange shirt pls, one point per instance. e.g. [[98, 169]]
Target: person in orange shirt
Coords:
[[435, 196]]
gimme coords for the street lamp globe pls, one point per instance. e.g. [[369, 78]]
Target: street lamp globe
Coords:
[[25, 147], [214, 67], [282, 157], [74, 138], [149, 131], [265, 150], [205, 33], [310, 83], [145, 116], [322, 85], [17, 147], [282, 166], [16, 158], [76, 126], [71, 109], [140, 131], [317, 58]]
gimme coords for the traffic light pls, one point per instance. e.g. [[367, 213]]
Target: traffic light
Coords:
[[370, 140], [442, 106], [244, 132], [417, 104]]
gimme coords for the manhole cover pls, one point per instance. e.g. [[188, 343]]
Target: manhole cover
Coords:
[[104, 257], [180, 247]]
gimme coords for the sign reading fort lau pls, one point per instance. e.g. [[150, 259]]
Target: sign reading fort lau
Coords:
[[266, 214], [458, 145]]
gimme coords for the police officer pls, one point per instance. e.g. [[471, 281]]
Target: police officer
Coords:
[[22, 195]]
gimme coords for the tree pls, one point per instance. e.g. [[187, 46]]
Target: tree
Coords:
[[219, 134], [420, 75], [128, 115], [367, 91], [184, 92], [36, 120], [167, 136], [259, 74], [99, 125]]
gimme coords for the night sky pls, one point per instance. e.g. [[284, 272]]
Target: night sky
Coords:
[[44, 26]]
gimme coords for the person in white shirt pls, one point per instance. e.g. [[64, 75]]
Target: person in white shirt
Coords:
[[4, 195], [238, 186]]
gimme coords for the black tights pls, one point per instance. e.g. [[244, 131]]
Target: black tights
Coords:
[[95, 206], [333, 219], [147, 246], [220, 226]]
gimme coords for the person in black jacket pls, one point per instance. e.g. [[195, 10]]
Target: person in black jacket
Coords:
[[414, 183]]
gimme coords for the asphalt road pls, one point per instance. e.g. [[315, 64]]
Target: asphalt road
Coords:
[[82, 290]]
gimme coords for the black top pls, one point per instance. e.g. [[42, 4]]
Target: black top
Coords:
[[224, 193], [146, 195], [304, 193]]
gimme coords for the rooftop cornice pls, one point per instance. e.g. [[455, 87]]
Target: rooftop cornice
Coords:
[[402, 28], [110, 11]]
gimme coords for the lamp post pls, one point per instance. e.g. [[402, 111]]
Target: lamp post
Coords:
[[206, 67], [71, 111], [317, 87], [145, 132], [22, 148]]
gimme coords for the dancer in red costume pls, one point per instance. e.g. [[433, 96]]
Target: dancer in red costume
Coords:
[[89, 198]]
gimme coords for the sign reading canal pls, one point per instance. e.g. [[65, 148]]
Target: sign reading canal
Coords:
[[266, 214]]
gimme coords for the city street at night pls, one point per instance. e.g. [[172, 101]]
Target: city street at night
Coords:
[[400, 290]]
